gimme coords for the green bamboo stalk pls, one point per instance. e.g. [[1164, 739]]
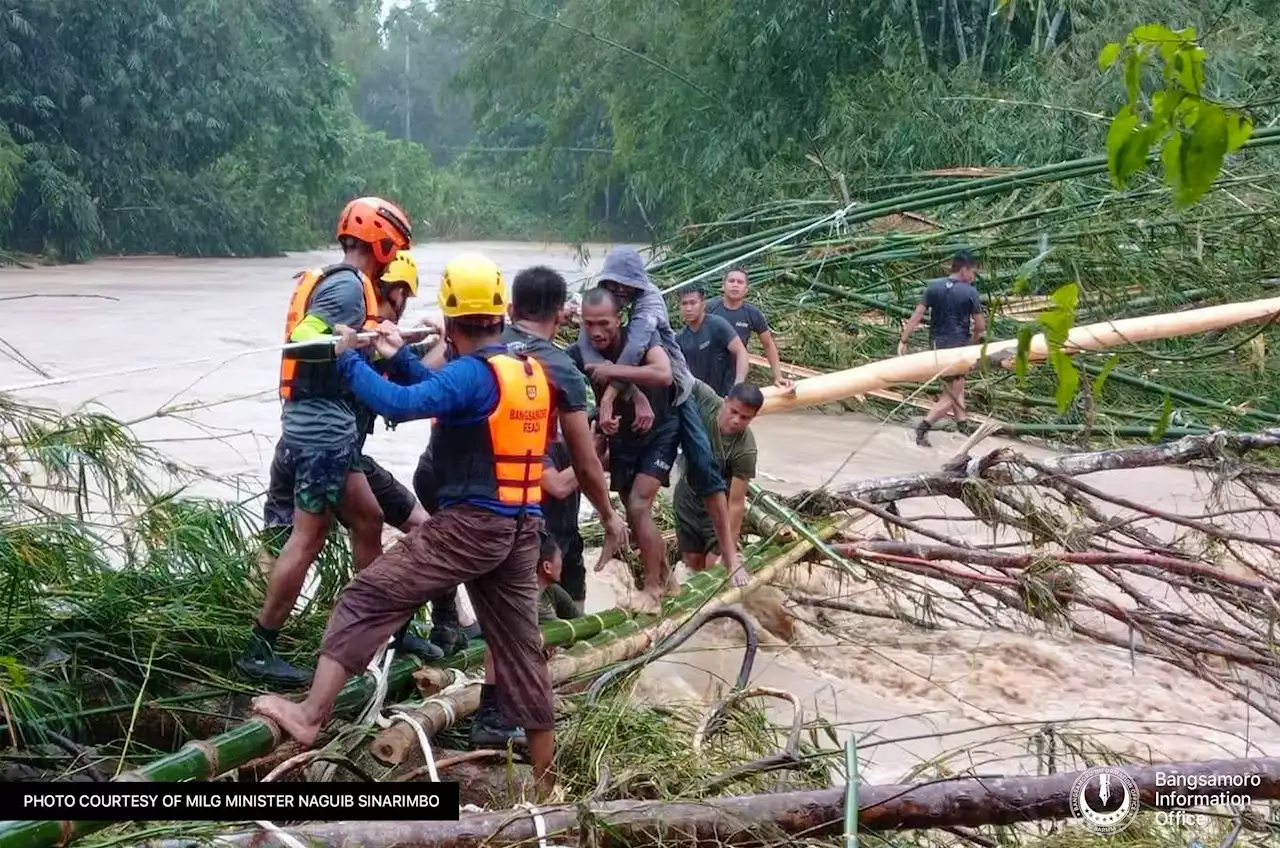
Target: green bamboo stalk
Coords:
[[208, 758]]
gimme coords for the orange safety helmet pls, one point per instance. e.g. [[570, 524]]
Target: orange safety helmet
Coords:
[[379, 223]]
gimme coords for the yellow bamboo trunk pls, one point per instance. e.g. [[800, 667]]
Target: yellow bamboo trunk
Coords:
[[931, 364]]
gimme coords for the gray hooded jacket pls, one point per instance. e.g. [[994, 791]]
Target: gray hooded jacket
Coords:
[[648, 314]]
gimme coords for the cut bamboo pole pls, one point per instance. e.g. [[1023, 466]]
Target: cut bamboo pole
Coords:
[[928, 365], [755, 820]]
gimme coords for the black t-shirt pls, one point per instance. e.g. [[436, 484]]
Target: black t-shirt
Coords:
[[706, 349], [567, 381], [952, 305], [745, 320]]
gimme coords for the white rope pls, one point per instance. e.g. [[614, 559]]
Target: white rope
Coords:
[[837, 216], [539, 824], [204, 360], [423, 741]]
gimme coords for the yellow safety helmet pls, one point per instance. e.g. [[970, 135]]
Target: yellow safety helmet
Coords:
[[402, 271], [472, 285]]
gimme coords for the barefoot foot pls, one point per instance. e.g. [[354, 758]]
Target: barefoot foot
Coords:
[[290, 715], [739, 576]]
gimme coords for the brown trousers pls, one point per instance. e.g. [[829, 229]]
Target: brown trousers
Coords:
[[497, 558]]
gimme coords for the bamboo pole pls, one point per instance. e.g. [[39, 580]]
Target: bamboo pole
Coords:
[[755, 820], [927, 365], [207, 758]]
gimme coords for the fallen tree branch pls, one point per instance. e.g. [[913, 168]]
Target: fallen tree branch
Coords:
[[756, 820]]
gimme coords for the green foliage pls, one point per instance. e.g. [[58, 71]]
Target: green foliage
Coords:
[[1056, 322], [1194, 132]]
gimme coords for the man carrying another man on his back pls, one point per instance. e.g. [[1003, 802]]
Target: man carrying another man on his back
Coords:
[[640, 460], [734, 445], [956, 319], [715, 354], [747, 318], [625, 277]]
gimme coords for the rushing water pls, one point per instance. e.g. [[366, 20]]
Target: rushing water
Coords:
[[883, 680]]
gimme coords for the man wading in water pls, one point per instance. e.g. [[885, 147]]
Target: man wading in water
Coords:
[[318, 422], [956, 319], [493, 413]]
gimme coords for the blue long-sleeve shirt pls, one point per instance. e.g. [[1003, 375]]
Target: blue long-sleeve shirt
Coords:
[[463, 392]]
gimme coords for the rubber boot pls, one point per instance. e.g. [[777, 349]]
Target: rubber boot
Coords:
[[922, 434], [488, 730], [261, 662], [408, 642]]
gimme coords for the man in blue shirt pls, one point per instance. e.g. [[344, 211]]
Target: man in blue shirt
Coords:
[[493, 413], [956, 319]]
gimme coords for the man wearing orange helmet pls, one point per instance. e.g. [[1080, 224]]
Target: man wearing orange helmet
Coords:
[[320, 425]]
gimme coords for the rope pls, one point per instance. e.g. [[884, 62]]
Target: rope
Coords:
[[539, 824], [204, 360], [399, 715], [838, 217]]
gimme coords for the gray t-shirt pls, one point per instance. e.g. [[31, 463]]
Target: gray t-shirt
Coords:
[[327, 423], [745, 320], [952, 305], [706, 349]]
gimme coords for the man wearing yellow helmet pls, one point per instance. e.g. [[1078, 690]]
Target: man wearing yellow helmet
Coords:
[[493, 412]]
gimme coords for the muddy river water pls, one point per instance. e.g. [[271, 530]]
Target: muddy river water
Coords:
[[895, 687]]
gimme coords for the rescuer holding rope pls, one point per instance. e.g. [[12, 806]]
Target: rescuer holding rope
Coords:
[[493, 411], [318, 421]]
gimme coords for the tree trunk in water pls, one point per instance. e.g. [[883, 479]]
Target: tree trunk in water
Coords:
[[756, 820], [1004, 467]]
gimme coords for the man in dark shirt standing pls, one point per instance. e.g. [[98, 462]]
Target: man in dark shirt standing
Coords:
[[746, 318], [715, 354], [956, 319]]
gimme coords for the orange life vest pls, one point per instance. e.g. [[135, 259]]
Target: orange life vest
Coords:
[[499, 458], [306, 375]]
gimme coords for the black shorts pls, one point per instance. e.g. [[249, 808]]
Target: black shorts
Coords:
[[424, 482], [946, 344], [396, 500], [653, 457], [573, 572], [695, 534]]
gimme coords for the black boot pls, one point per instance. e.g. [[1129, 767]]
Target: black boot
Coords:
[[922, 434], [446, 633], [408, 642], [488, 730], [261, 662]]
